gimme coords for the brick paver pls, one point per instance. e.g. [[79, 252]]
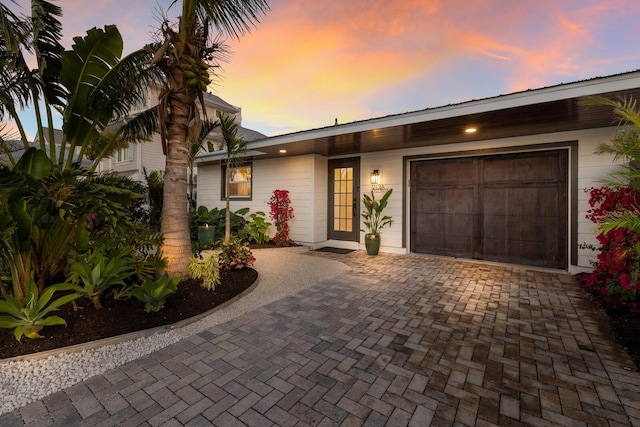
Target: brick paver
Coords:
[[401, 340]]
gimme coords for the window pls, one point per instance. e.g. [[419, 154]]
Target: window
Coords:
[[123, 155], [239, 182]]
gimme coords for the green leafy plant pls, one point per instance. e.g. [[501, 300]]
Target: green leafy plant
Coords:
[[30, 317], [205, 268], [373, 219], [216, 217], [154, 293], [235, 255], [121, 293], [256, 229], [97, 275], [155, 187], [615, 208]]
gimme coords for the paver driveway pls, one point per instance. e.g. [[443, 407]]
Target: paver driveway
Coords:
[[401, 340]]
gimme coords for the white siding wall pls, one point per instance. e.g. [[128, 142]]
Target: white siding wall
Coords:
[[127, 168], [321, 198], [152, 157], [269, 175], [389, 165], [592, 168], [306, 179]]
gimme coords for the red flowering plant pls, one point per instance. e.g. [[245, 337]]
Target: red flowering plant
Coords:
[[281, 213], [616, 209], [615, 280]]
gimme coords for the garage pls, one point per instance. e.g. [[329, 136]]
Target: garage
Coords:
[[508, 208]]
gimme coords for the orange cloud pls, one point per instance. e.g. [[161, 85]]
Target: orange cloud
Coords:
[[310, 61]]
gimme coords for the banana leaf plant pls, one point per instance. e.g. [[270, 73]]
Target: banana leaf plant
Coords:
[[46, 200], [90, 85], [374, 221]]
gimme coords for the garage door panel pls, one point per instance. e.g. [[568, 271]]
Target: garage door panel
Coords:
[[510, 208], [530, 167], [442, 173]]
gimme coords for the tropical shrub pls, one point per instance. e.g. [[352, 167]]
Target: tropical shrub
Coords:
[[92, 274], [154, 293], [155, 189], [615, 207], [615, 279], [216, 217], [57, 199], [256, 229], [281, 212], [205, 268], [235, 255], [114, 227], [30, 317]]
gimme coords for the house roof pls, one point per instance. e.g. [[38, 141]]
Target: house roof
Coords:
[[220, 103], [57, 135], [546, 110], [250, 134]]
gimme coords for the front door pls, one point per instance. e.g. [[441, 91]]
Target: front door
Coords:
[[344, 191]]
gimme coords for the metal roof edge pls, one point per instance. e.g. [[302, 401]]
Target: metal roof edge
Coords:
[[589, 87]]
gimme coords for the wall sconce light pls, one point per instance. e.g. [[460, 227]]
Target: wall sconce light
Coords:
[[376, 180], [375, 177]]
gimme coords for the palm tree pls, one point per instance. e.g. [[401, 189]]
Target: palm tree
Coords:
[[90, 84], [186, 57], [234, 146]]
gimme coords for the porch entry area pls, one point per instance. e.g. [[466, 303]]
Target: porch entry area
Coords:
[[508, 208], [344, 194]]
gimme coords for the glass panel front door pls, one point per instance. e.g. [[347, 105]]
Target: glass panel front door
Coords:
[[343, 199]]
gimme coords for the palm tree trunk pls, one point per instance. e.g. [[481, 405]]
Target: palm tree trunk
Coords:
[[175, 223], [227, 217]]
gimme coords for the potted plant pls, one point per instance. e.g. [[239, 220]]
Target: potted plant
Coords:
[[374, 221]]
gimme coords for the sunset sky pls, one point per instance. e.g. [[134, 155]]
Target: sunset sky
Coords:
[[309, 62]]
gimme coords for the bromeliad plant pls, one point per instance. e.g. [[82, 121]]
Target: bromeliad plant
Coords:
[[96, 275], [30, 317], [154, 293], [281, 212]]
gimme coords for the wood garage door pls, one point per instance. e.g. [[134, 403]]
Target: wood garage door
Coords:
[[508, 208]]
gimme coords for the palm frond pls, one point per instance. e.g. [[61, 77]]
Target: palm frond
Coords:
[[14, 37], [195, 143], [628, 219], [234, 145], [47, 33], [140, 127], [127, 83], [233, 17]]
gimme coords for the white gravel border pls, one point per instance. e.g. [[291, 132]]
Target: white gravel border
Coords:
[[282, 272]]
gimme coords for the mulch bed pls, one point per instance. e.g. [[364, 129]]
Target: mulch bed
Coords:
[[621, 325], [626, 329], [121, 317]]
